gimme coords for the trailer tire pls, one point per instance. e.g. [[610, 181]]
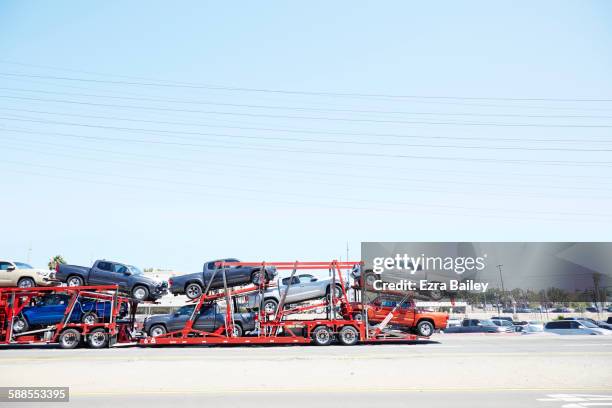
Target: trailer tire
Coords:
[[348, 336], [97, 338], [322, 336], [157, 330], [140, 292], [425, 328], [69, 339], [26, 283], [75, 280], [20, 325], [89, 318]]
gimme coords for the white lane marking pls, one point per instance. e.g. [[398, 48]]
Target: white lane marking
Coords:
[[579, 400]]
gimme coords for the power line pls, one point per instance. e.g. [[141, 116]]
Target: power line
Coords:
[[308, 131], [172, 84], [322, 152], [322, 118], [302, 108]]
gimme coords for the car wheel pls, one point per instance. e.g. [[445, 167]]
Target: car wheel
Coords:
[[358, 317], [26, 283], [237, 330], [97, 339], [348, 336], [89, 318], [370, 278], [157, 330], [75, 281], [193, 290], [20, 325], [322, 336], [140, 293], [435, 294], [69, 339], [425, 329], [337, 292], [270, 306]]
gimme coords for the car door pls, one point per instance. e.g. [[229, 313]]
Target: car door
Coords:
[[294, 292], [405, 314], [5, 276], [50, 311], [101, 273], [311, 287], [180, 317], [207, 319]]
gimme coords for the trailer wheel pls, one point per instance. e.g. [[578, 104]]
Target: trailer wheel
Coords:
[[26, 283], [74, 280], [348, 336], [140, 293], [425, 328], [89, 318], [98, 338], [322, 336], [193, 290], [69, 339], [20, 325]]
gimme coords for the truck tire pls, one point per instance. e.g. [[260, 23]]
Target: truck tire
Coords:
[[348, 336], [140, 293], [89, 318], [270, 306], [157, 330], [20, 325], [237, 330], [322, 336], [69, 339], [425, 328], [97, 338], [193, 290], [26, 283], [74, 280]]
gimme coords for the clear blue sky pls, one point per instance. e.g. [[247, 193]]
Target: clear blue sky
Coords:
[[167, 133]]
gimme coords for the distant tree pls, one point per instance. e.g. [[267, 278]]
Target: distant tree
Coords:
[[57, 259]]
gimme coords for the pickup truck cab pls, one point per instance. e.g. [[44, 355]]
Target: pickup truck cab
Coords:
[[406, 315], [129, 278]]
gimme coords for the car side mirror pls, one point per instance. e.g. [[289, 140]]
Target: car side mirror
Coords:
[[11, 268]]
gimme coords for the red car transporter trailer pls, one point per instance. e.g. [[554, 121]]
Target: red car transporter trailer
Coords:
[[280, 327], [66, 333]]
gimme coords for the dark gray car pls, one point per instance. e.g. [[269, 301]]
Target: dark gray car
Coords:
[[209, 319], [194, 284], [130, 279], [478, 326]]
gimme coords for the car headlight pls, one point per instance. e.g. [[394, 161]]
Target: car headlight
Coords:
[[41, 273]]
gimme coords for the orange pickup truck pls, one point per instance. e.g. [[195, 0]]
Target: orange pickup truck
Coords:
[[407, 315]]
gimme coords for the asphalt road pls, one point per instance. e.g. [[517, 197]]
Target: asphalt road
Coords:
[[457, 370]]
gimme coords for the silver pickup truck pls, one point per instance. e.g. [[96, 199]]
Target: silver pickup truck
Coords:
[[303, 287]]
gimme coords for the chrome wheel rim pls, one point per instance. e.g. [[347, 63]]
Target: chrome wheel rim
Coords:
[[74, 282], [349, 336], [370, 279], [26, 283], [89, 319], [158, 331], [139, 293], [69, 339], [323, 336], [97, 339], [193, 291], [426, 330], [270, 307], [19, 325]]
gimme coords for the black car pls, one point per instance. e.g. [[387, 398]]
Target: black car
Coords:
[[194, 284], [478, 326], [209, 319]]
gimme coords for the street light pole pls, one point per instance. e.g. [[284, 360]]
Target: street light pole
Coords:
[[501, 278]]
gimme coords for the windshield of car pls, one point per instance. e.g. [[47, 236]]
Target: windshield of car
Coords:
[[588, 324], [486, 322], [134, 270], [21, 265]]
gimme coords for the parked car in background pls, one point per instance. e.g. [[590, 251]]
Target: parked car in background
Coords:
[[51, 308], [452, 322], [193, 284], [128, 278], [406, 315], [303, 287], [562, 310], [209, 319], [574, 327], [478, 326], [602, 325], [532, 326], [506, 324], [22, 275]]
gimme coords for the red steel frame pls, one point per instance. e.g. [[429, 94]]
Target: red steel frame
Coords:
[[13, 300], [269, 326]]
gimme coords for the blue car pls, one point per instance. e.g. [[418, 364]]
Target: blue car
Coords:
[[50, 309]]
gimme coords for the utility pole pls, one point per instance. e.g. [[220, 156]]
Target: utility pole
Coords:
[[501, 278]]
